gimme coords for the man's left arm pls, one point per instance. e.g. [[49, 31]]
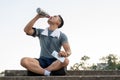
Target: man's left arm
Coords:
[[67, 51]]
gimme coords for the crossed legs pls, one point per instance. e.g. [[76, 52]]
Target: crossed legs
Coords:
[[33, 65]]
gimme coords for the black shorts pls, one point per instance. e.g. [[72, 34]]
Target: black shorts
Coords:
[[45, 62]]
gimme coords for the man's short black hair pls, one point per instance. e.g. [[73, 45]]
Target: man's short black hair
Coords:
[[62, 22]]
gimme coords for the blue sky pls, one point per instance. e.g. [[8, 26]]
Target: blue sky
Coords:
[[92, 27]]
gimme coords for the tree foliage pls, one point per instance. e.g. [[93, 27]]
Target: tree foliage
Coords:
[[112, 62], [82, 64], [109, 62]]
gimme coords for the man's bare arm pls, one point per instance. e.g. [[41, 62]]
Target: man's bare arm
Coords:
[[29, 27], [67, 51]]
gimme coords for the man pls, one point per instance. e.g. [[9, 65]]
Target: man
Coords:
[[51, 39]]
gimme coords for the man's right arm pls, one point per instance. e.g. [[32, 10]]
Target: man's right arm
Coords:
[[29, 27]]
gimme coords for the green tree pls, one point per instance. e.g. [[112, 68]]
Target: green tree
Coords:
[[109, 62], [112, 62], [82, 65]]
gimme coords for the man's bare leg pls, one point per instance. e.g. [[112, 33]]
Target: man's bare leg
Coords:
[[32, 65], [57, 65]]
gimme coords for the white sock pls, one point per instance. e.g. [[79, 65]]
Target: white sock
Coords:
[[47, 73]]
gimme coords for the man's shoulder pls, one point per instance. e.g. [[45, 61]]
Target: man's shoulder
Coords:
[[62, 34], [39, 30]]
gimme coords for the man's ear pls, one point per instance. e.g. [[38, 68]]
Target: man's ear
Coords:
[[58, 23]]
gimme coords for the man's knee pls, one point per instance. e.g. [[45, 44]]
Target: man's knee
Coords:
[[24, 61], [66, 62]]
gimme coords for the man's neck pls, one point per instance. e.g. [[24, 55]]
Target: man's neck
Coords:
[[52, 27]]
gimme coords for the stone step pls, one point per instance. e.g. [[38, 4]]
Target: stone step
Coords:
[[83, 77], [92, 72], [69, 73]]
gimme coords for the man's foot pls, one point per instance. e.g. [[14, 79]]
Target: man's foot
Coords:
[[60, 72], [47, 73]]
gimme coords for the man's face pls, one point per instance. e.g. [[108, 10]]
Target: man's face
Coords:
[[54, 20]]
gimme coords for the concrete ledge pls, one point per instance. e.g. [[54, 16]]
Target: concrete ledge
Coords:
[[102, 77], [69, 73], [92, 72]]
